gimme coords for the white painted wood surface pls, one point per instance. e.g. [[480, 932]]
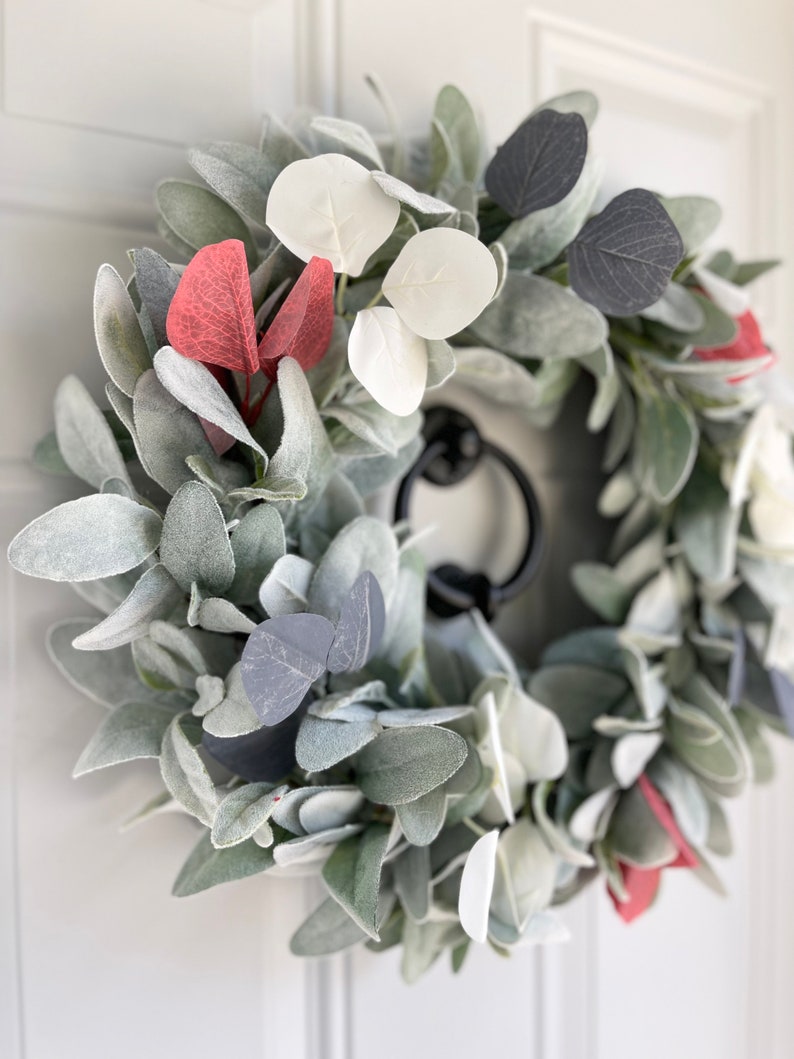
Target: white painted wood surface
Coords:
[[96, 959]]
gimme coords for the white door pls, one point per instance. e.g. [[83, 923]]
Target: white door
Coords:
[[97, 961]]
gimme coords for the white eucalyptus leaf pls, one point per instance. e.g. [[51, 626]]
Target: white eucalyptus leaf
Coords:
[[388, 359], [494, 375], [476, 886], [441, 281], [330, 207]]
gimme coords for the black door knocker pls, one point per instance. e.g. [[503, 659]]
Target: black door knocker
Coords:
[[453, 449]]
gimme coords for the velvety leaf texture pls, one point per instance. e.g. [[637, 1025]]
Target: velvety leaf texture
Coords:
[[622, 260], [539, 164]]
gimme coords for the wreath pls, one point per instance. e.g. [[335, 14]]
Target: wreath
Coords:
[[265, 638]]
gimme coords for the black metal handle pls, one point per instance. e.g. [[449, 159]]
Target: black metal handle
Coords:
[[454, 448]]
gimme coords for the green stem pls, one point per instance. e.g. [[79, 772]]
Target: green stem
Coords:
[[374, 301], [341, 287]]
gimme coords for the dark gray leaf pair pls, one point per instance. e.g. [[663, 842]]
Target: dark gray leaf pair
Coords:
[[286, 654]]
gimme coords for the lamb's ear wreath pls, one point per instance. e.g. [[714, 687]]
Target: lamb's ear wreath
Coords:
[[264, 637]]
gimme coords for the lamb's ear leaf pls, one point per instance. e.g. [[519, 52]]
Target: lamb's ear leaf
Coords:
[[195, 546], [194, 386], [157, 283], [539, 164], [133, 730], [85, 440], [239, 173], [352, 874], [360, 628], [328, 929], [153, 596], [403, 764], [623, 259], [120, 340], [207, 866], [198, 217], [281, 660], [85, 539]]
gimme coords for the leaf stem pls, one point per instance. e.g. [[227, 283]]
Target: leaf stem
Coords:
[[374, 300], [341, 287]]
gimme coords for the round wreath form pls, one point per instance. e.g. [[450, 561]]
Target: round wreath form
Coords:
[[265, 638]]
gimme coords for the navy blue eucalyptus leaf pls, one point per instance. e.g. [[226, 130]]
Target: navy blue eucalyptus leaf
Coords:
[[281, 660], [622, 259], [360, 627], [539, 164], [266, 755]]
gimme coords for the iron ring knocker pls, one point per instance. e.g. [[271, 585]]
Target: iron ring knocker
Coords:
[[453, 449]]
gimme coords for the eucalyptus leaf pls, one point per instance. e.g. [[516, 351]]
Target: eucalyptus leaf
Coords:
[[494, 375], [360, 628], [329, 207], [441, 280], [622, 259], [476, 886], [389, 359], [281, 659], [539, 164], [696, 218]]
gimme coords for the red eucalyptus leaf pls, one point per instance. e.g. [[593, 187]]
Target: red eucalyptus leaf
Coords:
[[302, 327], [217, 437], [211, 317], [641, 886], [748, 346], [687, 858]]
